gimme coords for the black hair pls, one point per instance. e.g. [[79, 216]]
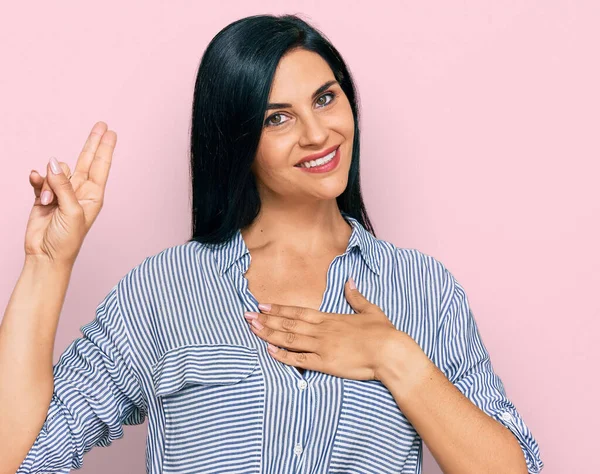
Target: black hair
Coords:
[[230, 97]]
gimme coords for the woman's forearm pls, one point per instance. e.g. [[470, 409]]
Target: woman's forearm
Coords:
[[462, 438], [27, 334]]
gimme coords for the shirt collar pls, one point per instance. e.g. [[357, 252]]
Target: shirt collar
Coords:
[[235, 249]]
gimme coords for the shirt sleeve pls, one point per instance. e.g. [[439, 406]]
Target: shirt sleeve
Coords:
[[95, 393], [463, 358]]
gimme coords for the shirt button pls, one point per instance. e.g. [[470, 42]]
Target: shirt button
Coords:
[[506, 416], [302, 384], [298, 450]]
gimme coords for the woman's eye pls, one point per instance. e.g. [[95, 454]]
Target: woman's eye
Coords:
[[278, 119], [322, 102], [274, 120]]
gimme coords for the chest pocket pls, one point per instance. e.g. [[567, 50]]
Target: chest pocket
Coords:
[[212, 398], [374, 432]]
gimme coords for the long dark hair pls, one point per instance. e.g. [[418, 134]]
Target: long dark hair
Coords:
[[230, 97]]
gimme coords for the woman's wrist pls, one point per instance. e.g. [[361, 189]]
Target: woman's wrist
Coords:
[[404, 364], [42, 263]]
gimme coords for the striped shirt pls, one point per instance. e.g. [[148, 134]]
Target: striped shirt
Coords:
[[169, 343]]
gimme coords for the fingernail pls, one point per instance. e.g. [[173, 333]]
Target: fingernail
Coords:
[[272, 348], [352, 285], [265, 307], [54, 166], [249, 315], [46, 197]]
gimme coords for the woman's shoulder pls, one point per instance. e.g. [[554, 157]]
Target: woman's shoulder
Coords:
[[188, 253], [409, 257], [411, 271], [176, 262], [414, 265]]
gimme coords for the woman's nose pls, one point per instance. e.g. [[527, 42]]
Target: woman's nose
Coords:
[[314, 132]]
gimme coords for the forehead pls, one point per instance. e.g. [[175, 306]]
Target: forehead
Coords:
[[298, 74]]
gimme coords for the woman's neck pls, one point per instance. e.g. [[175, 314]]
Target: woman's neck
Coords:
[[301, 230]]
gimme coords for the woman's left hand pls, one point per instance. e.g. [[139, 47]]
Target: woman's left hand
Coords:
[[352, 346]]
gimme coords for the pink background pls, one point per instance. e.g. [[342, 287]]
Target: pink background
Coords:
[[480, 147]]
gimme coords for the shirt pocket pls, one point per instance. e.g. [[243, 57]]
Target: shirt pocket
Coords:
[[212, 398], [373, 435]]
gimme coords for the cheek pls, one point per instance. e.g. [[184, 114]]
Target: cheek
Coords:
[[345, 122], [273, 154]]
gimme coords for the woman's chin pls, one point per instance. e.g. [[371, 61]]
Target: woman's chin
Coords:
[[329, 190]]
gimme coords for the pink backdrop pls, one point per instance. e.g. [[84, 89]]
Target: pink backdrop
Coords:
[[480, 147]]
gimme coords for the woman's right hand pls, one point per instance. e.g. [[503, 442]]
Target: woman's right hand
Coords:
[[56, 230]]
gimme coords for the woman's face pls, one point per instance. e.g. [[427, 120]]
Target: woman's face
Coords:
[[308, 114]]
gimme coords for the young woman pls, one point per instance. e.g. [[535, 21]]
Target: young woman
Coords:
[[283, 336]]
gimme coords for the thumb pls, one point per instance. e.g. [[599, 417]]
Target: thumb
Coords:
[[358, 302], [61, 187]]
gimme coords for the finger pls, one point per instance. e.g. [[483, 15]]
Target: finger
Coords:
[[358, 302], [62, 188], [35, 178], [36, 182], [301, 360], [47, 196], [100, 166], [293, 312], [283, 324], [288, 340], [86, 156]]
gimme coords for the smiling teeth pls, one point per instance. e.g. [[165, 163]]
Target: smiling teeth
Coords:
[[319, 161]]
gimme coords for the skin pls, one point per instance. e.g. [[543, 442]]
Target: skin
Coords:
[[67, 204], [53, 238], [296, 236], [300, 228]]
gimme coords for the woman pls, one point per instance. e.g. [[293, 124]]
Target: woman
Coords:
[[354, 350]]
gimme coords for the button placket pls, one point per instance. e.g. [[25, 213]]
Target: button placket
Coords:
[[304, 425]]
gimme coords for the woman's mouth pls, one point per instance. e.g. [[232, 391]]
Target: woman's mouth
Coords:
[[323, 164]]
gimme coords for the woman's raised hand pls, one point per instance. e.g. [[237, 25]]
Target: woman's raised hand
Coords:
[[60, 220]]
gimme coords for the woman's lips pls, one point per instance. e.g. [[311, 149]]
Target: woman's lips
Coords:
[[326, 167], [316, 156]]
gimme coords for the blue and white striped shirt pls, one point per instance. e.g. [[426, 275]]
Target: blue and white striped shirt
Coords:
[[170, 343]]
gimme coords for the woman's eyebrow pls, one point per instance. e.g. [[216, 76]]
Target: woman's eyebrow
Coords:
[[315, 94]]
